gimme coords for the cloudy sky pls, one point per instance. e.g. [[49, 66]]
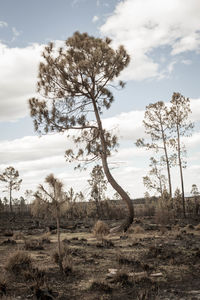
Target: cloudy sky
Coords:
[[163, 40]]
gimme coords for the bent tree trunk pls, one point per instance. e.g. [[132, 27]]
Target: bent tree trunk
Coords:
[[110, 178]]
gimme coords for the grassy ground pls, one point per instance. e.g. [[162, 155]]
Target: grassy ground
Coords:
[[146, 263]]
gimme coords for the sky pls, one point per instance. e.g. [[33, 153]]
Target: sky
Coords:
[[163, 41]]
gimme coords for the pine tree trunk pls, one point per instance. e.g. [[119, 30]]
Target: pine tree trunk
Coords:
[[167, 162], [109, 176], [181, 172], [10, 196]]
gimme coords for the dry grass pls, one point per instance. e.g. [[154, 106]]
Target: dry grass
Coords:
[[101, 229], [134, 260], [138, 229], [18, 262], [67, 264], [135, 229], [122, 278], [65, 259]]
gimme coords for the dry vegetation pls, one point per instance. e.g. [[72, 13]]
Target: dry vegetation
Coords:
[[151, 261]]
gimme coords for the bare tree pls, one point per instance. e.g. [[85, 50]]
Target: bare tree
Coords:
[[180, 127], [155, 180], [157, 127], [98, 186], [11, 177], [75, 83], [54, 200]]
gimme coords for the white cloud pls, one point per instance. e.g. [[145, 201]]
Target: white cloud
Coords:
[[128, 126], [195, 108], [3, 24], [95, 19], [146, 25], [18, 79], [16, 33], [186, 61]]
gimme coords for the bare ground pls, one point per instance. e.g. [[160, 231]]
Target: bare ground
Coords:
[[149, 262]]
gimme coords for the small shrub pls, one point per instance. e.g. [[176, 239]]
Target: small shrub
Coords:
[[43, 292], [65, 260], [18, 262], [122, 278], [145, 288], [34, 274], [55, 256], [67, 264], [101, 229], [138, 229]]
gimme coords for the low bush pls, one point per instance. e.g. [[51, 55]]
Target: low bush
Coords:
[[65, 260], [101, 229], [18, 262], [138, 229], [122, 278], [67, 264]]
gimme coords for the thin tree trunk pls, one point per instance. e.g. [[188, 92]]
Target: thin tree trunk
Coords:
[[161, 189], [181, 172], [10, 195], [59, 244], [109, 176], [167, 162]]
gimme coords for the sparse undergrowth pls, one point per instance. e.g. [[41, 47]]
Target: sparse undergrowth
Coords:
[[143, 266], [101, 229], [19, 262]]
